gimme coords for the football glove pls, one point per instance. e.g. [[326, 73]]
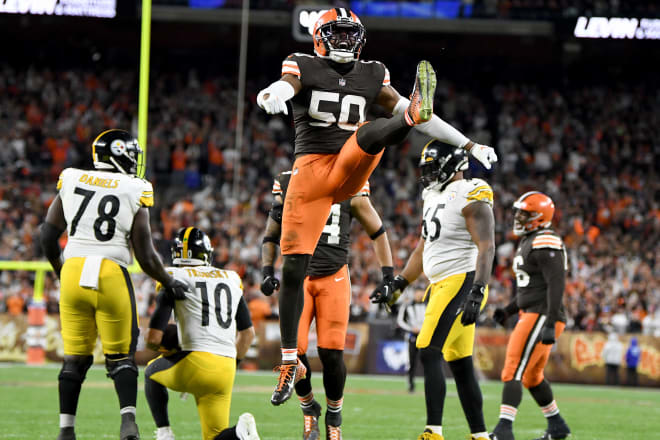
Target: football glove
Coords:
[[472, 305], [273, 104], [548, 333], [484, 154], [175, 289], [500, 316], [270, 284], [388, 292]]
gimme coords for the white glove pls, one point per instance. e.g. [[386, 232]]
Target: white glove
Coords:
[[273, 104], [484, 154]]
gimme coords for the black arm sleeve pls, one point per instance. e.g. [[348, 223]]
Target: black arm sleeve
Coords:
[[551, 262], [243, 320], [163, 311]]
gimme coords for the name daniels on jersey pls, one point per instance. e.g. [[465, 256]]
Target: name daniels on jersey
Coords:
[[212, 274], [97, 181]]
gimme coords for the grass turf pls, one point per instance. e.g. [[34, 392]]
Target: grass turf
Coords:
[[374, 408]]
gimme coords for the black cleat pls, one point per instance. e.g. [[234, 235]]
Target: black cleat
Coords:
[[556, 430], [290, 374], [311, 422], [502, 432], [66, 434], [129, 429]]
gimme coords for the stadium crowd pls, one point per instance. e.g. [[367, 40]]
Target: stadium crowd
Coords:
[[594, 150]]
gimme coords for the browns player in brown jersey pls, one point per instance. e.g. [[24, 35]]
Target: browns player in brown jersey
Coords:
[[336, 151], [540, 266]]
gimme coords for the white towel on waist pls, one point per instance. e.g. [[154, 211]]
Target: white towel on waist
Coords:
[[89, 277]]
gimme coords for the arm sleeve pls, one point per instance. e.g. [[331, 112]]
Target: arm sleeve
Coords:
[[162, 314], [479, 191], [551, 262], [243, 320], [436, 127], [290, 66]]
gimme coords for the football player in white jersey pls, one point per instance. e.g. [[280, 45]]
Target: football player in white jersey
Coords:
[[205, 339], [455, 253], [102, 210]]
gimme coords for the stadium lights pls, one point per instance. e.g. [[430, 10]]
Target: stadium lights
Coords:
[[79, 8], [617, 28]]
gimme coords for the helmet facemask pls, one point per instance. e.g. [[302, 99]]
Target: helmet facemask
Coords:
[[438, 169], [343, 40]]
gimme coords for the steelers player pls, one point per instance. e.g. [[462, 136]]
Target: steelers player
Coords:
[[455, 253], [327, 290], [206, 335], [331, 92], [102, 210], [540, 266]]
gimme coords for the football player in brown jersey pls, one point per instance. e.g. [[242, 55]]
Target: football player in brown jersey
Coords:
[[540, 266], [336, 152], [327, 290]]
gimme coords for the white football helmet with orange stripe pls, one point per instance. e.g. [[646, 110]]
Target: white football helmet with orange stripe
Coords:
[[339, 35], [533, 210]]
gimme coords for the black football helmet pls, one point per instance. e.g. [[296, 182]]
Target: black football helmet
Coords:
[[191, 247], [117, 150], [439, 162]]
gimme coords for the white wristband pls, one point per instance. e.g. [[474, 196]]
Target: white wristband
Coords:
[[281, 89]]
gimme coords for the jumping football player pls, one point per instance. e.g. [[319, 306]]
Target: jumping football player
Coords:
[[327, 290], [540, 266], [455, 253], [205, 339], [335, 151], [102, 210]]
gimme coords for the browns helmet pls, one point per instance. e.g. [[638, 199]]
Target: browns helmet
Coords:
[[339, 35], [440, 162], [533, 210], [191, 247], [117, 150]]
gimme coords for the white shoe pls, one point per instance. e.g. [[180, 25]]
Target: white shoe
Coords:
[[164, 433], [246, 428]]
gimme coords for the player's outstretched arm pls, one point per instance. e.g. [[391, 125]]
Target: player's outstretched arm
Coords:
[[393, 102], [274, 97], [480, 222], [146, 255], [50, 233]]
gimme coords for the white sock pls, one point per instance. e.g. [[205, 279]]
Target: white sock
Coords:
[[289, 354], [127, 410], [480, 435], [164, 430], [508, 412], [436, 429], [67, 420]]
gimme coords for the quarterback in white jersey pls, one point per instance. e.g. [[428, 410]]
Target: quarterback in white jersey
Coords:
[[456, 253], [102, 210], [203, 349]]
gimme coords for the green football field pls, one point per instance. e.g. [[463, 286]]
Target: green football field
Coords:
[[374, 408]]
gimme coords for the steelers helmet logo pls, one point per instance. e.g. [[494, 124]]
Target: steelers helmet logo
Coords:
[[118, 147]]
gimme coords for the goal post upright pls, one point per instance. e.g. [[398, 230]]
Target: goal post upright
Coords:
[[143, 94]]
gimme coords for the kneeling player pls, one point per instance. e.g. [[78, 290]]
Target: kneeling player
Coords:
[[456, 254], [208, 321], [540, 267]]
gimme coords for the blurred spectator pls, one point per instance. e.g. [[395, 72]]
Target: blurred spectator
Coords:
[[612, 354], [633, 355]]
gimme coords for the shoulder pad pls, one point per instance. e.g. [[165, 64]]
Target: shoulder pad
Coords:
[[547, 240], [477, 190]]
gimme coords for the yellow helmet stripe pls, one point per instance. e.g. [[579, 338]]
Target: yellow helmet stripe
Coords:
[[94, 143], [185, 241], [425, 147]]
